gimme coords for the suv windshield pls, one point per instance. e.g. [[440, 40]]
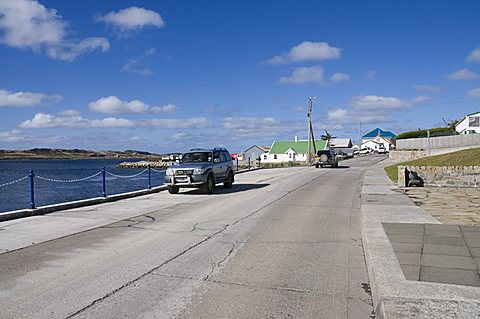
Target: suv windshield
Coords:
[[197, 157]]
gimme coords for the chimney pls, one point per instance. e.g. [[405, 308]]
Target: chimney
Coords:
[[296, 138]]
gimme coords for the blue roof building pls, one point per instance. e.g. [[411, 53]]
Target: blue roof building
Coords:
[[378, 132], [377, 137]]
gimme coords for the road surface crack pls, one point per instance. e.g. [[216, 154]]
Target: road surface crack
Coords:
[[219, 264]]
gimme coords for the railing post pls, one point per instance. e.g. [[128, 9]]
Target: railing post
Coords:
[[237, 164], [149, 178], [249, 163], [104, 192], [32, 195]]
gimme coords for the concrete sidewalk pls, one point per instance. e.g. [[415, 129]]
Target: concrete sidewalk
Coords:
[[395, 252]]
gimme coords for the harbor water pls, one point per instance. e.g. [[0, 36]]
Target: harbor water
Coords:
[[56, 181]]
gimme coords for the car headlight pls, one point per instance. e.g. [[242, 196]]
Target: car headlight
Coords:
[[169, 172], [198, 171]]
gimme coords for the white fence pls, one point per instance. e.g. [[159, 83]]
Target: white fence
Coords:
[[441, 144]]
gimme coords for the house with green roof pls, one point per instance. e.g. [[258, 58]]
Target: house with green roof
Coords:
[[291, 151], [470, 124]]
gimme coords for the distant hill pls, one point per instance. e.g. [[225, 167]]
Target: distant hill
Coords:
[[55, 153]]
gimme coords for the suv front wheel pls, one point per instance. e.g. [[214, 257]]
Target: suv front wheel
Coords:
[[173, 189], [209, 185], [228, 183]]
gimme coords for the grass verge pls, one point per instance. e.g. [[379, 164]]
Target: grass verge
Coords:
[[470, 157]]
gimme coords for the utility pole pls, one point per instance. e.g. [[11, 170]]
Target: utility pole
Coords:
[[309, 115], [360, 136]]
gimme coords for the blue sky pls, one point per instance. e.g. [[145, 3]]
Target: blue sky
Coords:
[[166, 76]]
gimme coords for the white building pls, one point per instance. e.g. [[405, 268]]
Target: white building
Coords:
[[378, 142], [470, 124], [291, 151], [378, 136]]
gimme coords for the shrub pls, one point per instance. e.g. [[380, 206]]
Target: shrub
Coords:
[[437, 131]]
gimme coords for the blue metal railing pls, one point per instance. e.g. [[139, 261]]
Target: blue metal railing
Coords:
[[103, 172], [31, 176]]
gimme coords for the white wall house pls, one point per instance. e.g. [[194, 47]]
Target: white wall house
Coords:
[[290, 151], [289, 156], [375, 143], [386, 138], [470, 124], [375, 146]]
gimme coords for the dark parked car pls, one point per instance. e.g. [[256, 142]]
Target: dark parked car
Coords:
[[326, 157], [201, 168]]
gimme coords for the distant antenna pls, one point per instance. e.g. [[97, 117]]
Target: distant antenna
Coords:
[[327, 136]]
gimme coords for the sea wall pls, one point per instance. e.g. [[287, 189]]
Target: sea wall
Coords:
[[443, 176]]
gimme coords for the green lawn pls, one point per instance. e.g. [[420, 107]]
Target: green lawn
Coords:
[[470, 157]]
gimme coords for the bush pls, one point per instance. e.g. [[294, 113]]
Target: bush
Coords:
[[437, 131], [282, 164]]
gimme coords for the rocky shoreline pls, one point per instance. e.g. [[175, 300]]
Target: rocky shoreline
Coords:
[[144, 164]]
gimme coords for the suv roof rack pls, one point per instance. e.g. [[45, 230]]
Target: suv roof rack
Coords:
[[209, 149], [199, 149]]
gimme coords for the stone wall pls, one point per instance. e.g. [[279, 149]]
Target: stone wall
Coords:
[[398, 156], [443, 176]]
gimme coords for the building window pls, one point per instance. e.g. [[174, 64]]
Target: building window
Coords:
[[290, 155], [274, 156], [474, 121], [264, 157]]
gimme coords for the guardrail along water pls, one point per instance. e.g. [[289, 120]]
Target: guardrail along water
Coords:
[[53, 182]]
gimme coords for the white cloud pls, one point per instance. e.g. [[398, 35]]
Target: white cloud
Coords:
[[474, 93], [372, 109], [44, 120], [463, 75], [474, 56], [375, 102], [340, 77], [193, 122], [70, 51], [70, 112], [307, 51], [341, 116], [132, 19], [337, 114], [113, 105], [168, 108], [304, 75], [27, 24], [20, 99], [17, 136], [134, 65], [427, 88], [369, 75], [252, 127], [137, 139]]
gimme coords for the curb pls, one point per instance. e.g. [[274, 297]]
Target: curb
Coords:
[[76, 204]]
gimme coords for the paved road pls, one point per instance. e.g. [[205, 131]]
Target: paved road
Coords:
[[282, 243]]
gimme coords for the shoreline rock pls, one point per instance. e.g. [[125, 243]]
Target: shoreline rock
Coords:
[[144, 164]]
